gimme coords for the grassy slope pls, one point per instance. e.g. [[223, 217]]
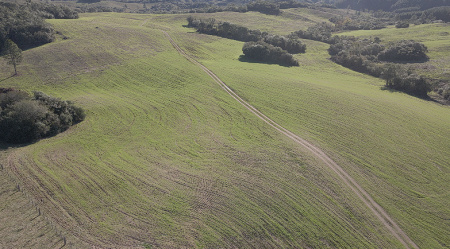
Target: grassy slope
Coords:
[[397, 145], [166, 158]]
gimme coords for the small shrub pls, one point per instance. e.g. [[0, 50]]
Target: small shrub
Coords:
[[402, 25]]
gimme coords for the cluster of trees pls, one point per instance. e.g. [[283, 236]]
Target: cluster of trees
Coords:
[[260, 46], [240, 33], [88, 1], [370, 57], [418, 17], [443, 89], [405, 80], [225, 29], [413, 11], [372, 50], [320, 32], [25, 119], [24, 23], [95, 9], [357, 22], [291, 45], [323, 31], [402, 25], [53, 11], [404, 51], [266, 7], [262, 51]]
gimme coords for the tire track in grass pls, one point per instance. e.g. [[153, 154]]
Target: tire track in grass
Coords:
[[379, 212]]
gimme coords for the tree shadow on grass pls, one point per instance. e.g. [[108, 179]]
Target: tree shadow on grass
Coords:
[[187, 26], [5, 145], [427, 98], [403, 62], [243, 58]]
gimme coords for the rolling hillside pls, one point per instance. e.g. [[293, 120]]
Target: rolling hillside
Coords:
[[167, 159]]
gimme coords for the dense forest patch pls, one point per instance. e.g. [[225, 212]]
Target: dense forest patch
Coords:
[[24, 23], [262, 51], [25, 119]]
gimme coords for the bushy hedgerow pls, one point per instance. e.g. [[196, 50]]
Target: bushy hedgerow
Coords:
[[25, 119], [225, 29], [265, 52]]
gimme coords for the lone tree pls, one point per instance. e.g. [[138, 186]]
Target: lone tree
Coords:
[[13, 54]]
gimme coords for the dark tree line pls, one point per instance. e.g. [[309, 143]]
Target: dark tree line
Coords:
[[240, 33], [25, 119], [24, 23], [358, 22], [225, 29], [406, 81], [417, 16], [413, 11], [266, 7], [259, 46], [391, 5], [320, 32]]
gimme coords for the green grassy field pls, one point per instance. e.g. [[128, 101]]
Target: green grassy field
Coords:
[[167, 159]]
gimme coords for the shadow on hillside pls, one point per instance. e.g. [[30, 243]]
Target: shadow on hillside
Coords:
[[5, 145], [427, 98], [243, 58], [408, 62], [187, 26]]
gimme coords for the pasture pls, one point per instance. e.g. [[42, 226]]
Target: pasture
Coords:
[[165, 158]]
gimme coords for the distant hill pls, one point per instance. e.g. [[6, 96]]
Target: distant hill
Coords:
[[391, 5]]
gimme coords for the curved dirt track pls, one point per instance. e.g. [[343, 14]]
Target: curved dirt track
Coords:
[[347, 179]]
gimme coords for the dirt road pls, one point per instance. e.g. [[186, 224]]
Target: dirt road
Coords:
[[346, 178]]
